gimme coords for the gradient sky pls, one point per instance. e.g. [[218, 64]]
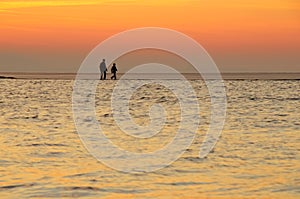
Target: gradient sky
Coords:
[[240, 35]]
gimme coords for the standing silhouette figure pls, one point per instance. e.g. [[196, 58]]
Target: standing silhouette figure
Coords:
[[114, 71], [103, 70]]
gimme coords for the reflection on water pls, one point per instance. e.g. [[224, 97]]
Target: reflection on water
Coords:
[[257, 155]]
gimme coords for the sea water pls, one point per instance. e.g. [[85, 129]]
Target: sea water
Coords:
[[257, 155]]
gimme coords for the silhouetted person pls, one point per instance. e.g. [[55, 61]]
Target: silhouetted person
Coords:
[[103, 69], [114, 71]]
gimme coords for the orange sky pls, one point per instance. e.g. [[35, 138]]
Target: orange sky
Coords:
[[240, 35]]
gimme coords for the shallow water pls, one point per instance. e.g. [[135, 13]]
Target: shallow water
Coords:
[[257, 156]]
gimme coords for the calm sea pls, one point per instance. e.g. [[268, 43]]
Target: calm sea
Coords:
[[257, 156]]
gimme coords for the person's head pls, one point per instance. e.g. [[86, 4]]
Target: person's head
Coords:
[[103, 60], [114, 64]]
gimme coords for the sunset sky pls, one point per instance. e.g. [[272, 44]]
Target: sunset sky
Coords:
[[240, 35]]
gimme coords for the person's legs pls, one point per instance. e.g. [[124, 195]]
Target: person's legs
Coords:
[[101, 76], [104, 75], [114, 76]]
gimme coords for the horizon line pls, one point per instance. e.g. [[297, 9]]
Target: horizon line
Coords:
[[240, 72]]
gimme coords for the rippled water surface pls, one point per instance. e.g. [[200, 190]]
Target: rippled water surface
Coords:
[[257, 156]]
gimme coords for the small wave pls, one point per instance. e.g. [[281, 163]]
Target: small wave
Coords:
[[109, 190], [186, 183], [87, 188], [249, 176], [24, 117], [16, 186], [43, 144]]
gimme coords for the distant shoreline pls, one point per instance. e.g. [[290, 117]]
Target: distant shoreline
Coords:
[[190, 76]]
